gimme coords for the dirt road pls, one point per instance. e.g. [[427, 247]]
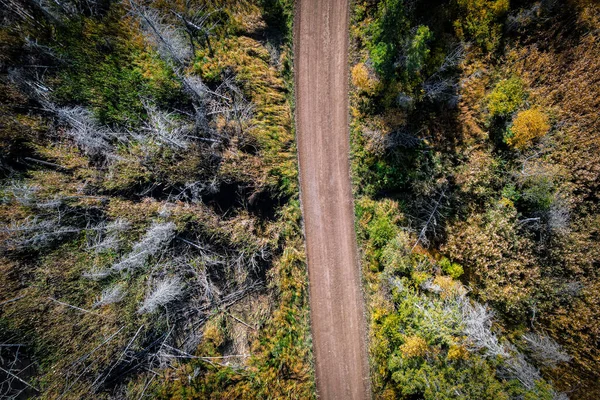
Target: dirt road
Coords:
[[337, 317]]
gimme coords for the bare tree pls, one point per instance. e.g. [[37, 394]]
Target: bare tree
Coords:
[[155, 240], [454, 57], [441, 85], [402, 138], [516, 366], [166, 128], [21, 192], [68, 9], [50, 204], [97, 273], [93, 138], [197, 24], [37, 233], [559, 215], [545, 350], [34, 233], [193, 191], [110, 295], [162, 293], [14, 368], [477, 321], [433, 213], [195, 87], [441, 89], [430, 286], [229, 101], [572, 288], [169, 40], [107, 236], [83, 127]]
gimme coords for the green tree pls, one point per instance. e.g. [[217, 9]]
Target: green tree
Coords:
[[418, 50], [387, 33]]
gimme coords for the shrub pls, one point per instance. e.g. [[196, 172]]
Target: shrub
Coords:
[[102, 71], [499, 261], [457, 352], [527, 126], [479, 22], [538, 192], [414, 346], [448, 287], [506, 97], [455, 270], [381, 230], [394, 255], [364, 80]]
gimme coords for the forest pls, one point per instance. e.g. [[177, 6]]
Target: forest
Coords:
[[475, 137], [151, 239], [151, 244]]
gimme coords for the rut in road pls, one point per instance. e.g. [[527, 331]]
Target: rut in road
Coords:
[[336, 301]]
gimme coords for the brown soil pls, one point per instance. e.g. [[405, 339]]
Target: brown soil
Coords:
[[336, 301]]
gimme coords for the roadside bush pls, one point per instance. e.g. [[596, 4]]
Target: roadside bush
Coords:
[[396, 255], [378, 226], [414, 346], [364, 80], [528, 126]]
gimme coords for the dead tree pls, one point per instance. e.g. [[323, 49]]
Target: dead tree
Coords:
[[442, 85], [196, 23], [22, 193], [229, 102], [110, 295], [14, 368], [165, 128], [162, 293], [559, 215], [545, 350], [434, 215], [34, 233], [516, 366], [153, 242], [94, 139], [477, 320], [170, 40], [107, 237]]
